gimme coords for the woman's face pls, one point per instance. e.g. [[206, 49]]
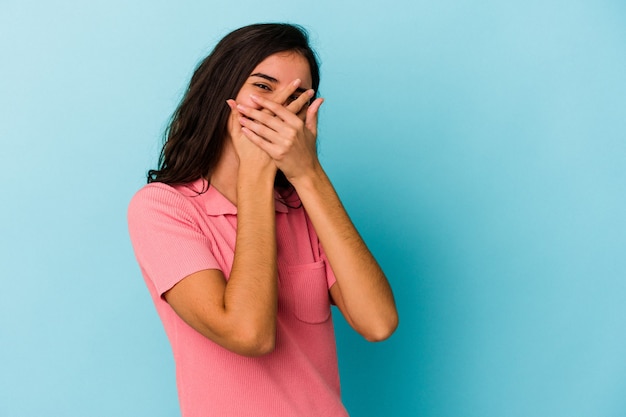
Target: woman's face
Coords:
[[273, 74]]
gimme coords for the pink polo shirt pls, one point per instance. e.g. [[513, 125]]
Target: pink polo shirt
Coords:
[[175, 232]]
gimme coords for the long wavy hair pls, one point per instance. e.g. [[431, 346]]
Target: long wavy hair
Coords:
[[195, 136]]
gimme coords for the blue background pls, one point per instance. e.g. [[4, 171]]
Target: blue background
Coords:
[[480, 148]]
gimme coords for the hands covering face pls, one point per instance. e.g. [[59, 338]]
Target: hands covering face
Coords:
[[282, 130]]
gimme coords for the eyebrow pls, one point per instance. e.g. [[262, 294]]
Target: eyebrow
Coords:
[[274, 80]]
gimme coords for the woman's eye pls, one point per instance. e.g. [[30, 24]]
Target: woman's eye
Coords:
[[292, 99], [263, 86]]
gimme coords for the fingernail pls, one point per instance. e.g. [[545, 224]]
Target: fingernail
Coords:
[[240, 107], [253, 97], [297, 81]]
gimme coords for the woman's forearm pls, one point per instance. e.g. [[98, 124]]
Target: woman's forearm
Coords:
[[367, 299], [250, 296]]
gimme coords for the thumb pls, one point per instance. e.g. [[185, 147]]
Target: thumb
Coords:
[[312, 112], [234, 128], [233, 105]]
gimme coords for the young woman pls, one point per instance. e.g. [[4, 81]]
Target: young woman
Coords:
[[243, 242]]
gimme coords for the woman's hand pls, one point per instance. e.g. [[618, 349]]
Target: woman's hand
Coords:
[[286, 133], [249, 155], [361, 292], [246, 150]]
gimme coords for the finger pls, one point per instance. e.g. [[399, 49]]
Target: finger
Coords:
[[301, 102], [266, 146], [234, 115], [278, 109], [310, 122], [286, 92], [266, 133], [233, 107], [265, 118]]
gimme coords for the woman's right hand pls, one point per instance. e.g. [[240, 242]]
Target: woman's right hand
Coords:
[[249, 154]]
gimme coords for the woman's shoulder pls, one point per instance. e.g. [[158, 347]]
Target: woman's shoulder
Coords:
[[161, 197], [155, 193], [159, 191]]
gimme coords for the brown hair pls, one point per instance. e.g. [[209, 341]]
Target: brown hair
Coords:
[[196, 133]]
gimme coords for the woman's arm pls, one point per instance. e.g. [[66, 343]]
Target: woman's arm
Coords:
[[240, 314], [361, 292]]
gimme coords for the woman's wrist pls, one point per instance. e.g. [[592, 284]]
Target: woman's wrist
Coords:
[[309, 179], [257, 179]]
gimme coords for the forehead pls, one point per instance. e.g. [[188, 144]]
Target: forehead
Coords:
[[286, 67]]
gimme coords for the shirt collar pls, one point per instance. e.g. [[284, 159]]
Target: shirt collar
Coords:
[[216, 204]]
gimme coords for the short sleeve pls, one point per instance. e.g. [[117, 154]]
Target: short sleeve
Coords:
[[166, 237]]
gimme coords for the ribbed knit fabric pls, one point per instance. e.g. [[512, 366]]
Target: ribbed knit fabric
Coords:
[[175, 232]]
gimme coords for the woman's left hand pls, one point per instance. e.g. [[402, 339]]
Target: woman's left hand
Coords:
[[287, 139], [288, 135]]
